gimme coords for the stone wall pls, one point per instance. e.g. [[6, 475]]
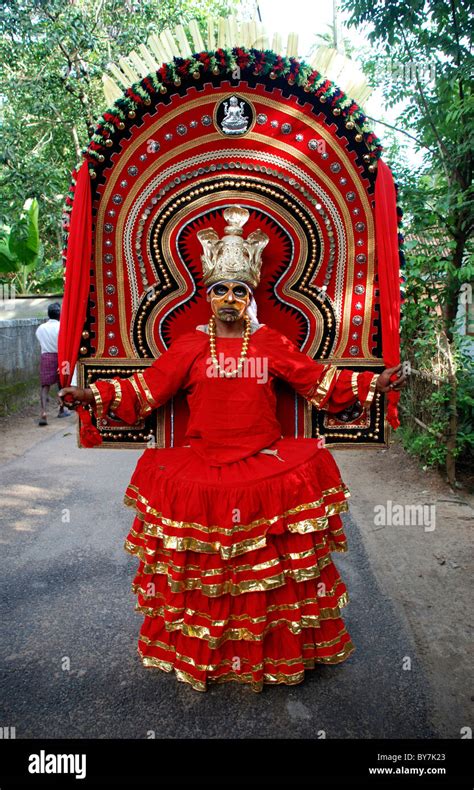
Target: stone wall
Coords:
[[19, 361]]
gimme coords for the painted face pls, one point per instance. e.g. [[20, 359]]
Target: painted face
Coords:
[[229, 300]]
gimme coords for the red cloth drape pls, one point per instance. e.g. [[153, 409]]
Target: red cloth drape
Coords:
[[386, 236], [76, 292]]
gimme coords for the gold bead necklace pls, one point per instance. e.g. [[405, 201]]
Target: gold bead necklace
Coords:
[[243, 353]]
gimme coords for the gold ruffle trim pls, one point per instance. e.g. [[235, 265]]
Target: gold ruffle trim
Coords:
[[247, 677], [331, 509], [295, 626], [192, 544], [146, 555], [182, 610], [201, 632], [342, 601], [325, 613], [241, 547], [261, 566], [226, 661], [251, 585]]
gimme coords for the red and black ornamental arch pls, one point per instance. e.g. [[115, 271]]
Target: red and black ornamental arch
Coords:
[[245, 127]]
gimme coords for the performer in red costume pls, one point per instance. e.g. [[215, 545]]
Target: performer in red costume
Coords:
[[234, 531]]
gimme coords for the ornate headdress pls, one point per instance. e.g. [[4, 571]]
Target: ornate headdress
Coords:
[[232, 257]]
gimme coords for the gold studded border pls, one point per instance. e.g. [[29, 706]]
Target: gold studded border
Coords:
[[355, 437], [295, 154], [119, 366], [268, 203]]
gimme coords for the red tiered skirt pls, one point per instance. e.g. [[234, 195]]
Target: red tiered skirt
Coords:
[[236, 579]]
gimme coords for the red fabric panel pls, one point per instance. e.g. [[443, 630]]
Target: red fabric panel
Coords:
[[386, 235], [76, 294], [76, 291]]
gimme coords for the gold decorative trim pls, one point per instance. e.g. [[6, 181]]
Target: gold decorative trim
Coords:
[[99, 405], [213, 667], [144, 407], [149, 397], [380, 432], [371, 392], [320, 391], [181, 611], [98, 366], [150, 568], [354, 383], [226, 552], [349, 362], [203, 632], [251, 97], [252, 585], [118, 394], [330, 509], [216, 589], [248, 677], [342, 601]]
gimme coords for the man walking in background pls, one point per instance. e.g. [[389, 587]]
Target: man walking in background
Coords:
[[47, 335]]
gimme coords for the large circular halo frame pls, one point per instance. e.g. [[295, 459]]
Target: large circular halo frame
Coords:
[[202, 132]]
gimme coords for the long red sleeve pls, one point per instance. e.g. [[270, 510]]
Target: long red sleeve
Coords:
[[324, 386], [248, 404], [136, 396]]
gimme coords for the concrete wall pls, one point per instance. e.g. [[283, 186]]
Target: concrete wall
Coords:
[[19, 361], [26, 306], [19, 350]]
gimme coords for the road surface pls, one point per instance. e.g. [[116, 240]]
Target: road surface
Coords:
[[69, 666]]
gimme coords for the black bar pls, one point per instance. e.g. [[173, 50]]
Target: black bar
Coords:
[[241, 763]]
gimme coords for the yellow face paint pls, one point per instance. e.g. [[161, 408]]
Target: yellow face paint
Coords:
[[229, 300]]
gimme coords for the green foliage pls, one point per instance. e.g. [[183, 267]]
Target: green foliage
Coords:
[[21, 252], [8, 261], [435, 358], [52, 56], [422, 58], [48, 278], [24, 239]]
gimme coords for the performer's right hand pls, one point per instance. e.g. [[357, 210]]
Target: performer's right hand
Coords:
[[72, 397]]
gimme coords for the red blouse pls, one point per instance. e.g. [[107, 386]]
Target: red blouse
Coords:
[[231, 418]]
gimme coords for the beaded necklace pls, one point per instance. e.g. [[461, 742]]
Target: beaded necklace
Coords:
[[243, 352]]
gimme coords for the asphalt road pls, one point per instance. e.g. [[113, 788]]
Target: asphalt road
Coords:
[[69, 666]]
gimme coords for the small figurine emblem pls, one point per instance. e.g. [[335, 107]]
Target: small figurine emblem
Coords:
[[234, 116]]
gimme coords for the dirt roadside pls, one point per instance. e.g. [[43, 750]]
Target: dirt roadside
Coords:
[[424, 568], [20, 431]]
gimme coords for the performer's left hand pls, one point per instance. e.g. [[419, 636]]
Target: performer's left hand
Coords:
[[384, 383]]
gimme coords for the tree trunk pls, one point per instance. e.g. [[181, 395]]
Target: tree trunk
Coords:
[[452, 293], [452, 422], [451, 311]]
